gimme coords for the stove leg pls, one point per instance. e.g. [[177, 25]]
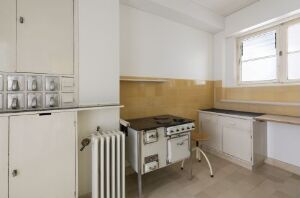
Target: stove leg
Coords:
[[140, 189], [191, 160]]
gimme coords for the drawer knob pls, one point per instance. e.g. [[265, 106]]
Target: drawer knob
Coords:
[[14, 173]]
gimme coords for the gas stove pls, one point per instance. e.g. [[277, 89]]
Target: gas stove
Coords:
[[154, 122]]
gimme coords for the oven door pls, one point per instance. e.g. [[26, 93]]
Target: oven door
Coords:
[[178, 149]]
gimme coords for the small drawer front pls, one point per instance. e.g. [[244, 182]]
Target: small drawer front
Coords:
[[151, 166], [52, 83], [15, 83], [34, 83], [51, 100], [1, 101], [150, 136], [67, 84], [1, 82], [15, 101], [237, 123], [67, 99], [34, 100]]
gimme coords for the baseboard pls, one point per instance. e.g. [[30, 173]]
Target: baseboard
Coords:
[[283, 165], [232, 159]]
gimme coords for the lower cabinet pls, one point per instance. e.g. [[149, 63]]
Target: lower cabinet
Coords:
[[239, 139], [3, 157], [42, 156], [210, 124]]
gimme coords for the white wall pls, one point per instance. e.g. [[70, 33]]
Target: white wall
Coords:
[[152, 46], [283, 142]]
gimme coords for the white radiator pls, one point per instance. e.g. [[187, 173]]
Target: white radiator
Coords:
[[108, 164]]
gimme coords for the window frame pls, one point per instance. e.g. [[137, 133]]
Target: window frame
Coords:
[[281, 55]]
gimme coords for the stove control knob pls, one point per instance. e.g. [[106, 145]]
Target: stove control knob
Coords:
[[182, 129], [193, 127], [171, 131], [187, 127], [177, 130]]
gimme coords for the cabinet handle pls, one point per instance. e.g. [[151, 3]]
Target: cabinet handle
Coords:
[[14, 173], [21, 19]]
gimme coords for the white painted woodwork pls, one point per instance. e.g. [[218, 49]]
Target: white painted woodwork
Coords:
[[237, 138], [3, 157], [98, 51], [42, 148], [8, 35], [45, 39], [210, 124]]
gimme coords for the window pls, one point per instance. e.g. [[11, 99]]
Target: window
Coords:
[[270, 56], [293, 51]]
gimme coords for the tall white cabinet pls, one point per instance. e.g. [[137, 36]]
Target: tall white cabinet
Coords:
[[42, 155], [3, 157], [37, 36], [8, 35], [98, 51], [45, 36]]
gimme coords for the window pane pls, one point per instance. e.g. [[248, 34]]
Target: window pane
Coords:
[[259, 70], [294, 66], [294, 37], [259, 46]]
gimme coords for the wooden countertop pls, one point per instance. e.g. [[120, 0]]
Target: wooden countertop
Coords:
[[281, 119]]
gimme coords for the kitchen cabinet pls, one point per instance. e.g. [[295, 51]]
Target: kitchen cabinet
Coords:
[[237, 138], [210, 124], [45, 36], [98, 52], [8, 35], [3, 157], [42, 156], [240, 139]]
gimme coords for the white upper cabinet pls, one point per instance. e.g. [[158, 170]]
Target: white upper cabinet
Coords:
[[3, 157], [98, 51], [8, 35], [45, 36]]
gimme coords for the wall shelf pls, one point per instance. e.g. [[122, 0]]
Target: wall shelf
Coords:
[[297, 104], [153, 80]]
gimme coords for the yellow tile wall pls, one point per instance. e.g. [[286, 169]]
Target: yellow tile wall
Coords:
[[177, 97], [287, 93], [185, 97]]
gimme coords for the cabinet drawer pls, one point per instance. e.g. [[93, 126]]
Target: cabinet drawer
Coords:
[[15, 83], [237, 123], [67, 99], [67, 84]]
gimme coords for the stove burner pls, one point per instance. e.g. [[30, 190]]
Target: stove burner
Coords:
[[178, 120], [161, 118]]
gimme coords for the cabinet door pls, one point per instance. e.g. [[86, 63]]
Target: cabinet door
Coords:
[[45, 37], [210, 125], [8, 35], [237, 139], [4, 157], [42, 151]]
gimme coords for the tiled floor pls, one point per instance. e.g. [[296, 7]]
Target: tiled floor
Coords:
[[230, 181]]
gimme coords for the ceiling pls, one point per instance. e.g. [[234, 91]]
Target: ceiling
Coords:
[[207, 15], [225, 7]]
